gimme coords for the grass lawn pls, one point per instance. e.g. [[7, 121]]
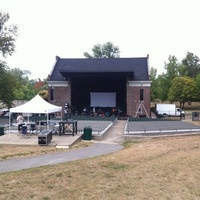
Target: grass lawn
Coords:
[[162, 168]]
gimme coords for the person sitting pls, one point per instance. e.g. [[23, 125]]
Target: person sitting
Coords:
[[114, 111], [85, 111], [100, 112]]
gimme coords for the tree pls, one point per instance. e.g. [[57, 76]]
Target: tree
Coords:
[[197, 81], [21, 75], [154, 84], [25, 91], [107, 50], [40, 85], [182, 90], [7, 35], [7, 47], [171, 72], [162, 87], [9, 83], [171, 67], [44, 94], [190, 66], [41, 88]]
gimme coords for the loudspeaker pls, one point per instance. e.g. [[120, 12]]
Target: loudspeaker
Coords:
[[141, 94], [51, 94]]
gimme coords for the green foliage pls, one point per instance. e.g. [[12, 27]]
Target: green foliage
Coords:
[[171, 67], [26, 90], [107, 50], [7, 92], [15, 83], [7, 47], [7, 35], [21, 75], [163, 85], [182, 90], [181, 82], [154, 83], [190, 66], [197, 91]]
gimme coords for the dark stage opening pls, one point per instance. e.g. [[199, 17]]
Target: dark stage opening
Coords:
[[107, 90]]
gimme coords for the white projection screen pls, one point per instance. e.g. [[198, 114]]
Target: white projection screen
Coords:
[[103, 99]]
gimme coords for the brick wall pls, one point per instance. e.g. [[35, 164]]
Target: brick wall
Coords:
[[62, 95], [133, 100]]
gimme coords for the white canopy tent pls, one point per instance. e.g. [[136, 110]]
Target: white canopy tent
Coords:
[[36, 105]]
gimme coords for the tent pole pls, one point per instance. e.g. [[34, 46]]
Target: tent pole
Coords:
[[9, 125], [47, 121]]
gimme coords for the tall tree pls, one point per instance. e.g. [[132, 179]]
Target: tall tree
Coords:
[[107, 50], [28, 88], [7, 35], [182, 90], [154, 83], [171, 67], [8, 85], [164, 81], [163, 87], [7, 47], [21, 75], [190, 65], [197, 92]]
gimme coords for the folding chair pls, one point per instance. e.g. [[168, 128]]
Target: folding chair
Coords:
[[24, 132], [55, 129], [32, 128]]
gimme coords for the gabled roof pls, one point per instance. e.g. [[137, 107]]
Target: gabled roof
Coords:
[[67, 67]]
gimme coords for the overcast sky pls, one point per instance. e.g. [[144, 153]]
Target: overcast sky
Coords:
[[68, 28]]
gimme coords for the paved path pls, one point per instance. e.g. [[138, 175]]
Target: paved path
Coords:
[[96, 149], [108, 145]]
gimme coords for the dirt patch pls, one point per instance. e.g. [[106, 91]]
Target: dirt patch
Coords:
[[16, 151]]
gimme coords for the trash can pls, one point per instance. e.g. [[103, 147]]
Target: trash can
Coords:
[[1, 130], [87, 135], [195, 116], [24, 129]]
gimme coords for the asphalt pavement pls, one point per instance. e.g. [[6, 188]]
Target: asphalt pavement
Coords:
[[97, 149]]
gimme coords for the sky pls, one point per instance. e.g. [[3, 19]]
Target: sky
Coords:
[[68, 28]]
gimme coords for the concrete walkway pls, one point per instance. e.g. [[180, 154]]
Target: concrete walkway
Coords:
[[115, 133], [110, 143], [14, 138]]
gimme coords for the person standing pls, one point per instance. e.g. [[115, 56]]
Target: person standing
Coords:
[[20, 121]]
